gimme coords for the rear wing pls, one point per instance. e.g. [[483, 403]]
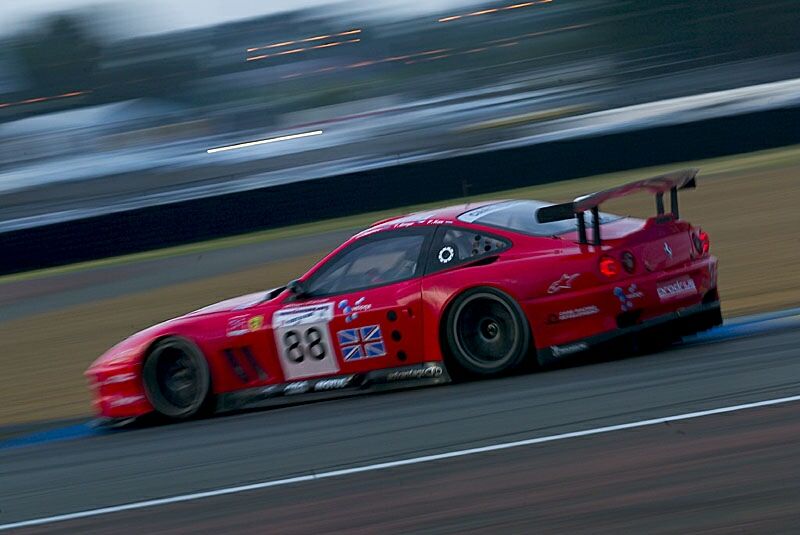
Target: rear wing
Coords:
[[657, 185]]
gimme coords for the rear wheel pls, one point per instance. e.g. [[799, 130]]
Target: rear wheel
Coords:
[[486, 333], [177, 380]]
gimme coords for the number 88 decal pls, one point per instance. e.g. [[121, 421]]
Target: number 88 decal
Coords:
[[303, 341], [310, 345]]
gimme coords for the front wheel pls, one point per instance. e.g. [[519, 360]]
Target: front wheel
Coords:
[[176, 378], [486, 333]]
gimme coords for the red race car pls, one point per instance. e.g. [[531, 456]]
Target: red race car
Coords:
[[476, 290]]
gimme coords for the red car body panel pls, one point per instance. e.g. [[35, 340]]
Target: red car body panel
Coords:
[[556, 281]]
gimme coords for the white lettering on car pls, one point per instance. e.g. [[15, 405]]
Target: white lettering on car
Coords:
[[333, 384], [578, 312], [418, 373], [560, 351], [676, 289]]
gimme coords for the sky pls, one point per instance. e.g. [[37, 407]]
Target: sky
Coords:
[[155, 16]]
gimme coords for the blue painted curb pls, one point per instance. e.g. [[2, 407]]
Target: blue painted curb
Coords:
[[749, 326], [52, 435]]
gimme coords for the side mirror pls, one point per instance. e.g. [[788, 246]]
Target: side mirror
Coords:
[[298, 288]]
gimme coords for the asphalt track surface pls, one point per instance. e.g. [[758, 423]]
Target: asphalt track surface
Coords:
[[736, 471]]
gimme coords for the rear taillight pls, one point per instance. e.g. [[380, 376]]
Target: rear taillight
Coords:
[[609, 266], [706, 243], [701, 242]]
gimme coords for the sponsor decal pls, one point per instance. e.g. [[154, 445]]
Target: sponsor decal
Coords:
[[301, 315], [668, 250], [125, 400], [627, 297], [677, 289], [351, 312], [405, 222], [362, 342], [416, 373], [423, 218], [446, 255], [239, 325], [433, 221], [564, 283], [560, 351], [298, 387], [575, 313], [255, 323], [333, 384]]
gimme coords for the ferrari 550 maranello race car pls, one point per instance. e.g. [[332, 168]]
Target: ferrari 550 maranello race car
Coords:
[[476, 290]]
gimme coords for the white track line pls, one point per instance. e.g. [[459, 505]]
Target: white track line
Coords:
[[390, 464], [264, 141]]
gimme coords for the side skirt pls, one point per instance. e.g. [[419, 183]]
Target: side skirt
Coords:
[[428, 373]]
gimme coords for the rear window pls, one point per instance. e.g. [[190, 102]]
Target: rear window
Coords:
[[520, 216]]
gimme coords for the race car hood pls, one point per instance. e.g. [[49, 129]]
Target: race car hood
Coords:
[[236, 303], [128, 352]]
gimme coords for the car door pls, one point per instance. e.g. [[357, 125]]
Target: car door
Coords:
[[362, 309]]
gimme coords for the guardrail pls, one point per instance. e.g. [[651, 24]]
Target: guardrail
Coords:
[[390, 187]]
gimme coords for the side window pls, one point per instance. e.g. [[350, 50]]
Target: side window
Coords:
[[375, 261], [462, 245]]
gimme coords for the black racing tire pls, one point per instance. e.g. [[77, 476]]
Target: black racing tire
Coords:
[[486, 334], [177, 380]]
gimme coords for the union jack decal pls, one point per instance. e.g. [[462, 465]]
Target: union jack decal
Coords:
[[361, 343]]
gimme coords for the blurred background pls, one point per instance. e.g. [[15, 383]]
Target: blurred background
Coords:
[[107, 107], [158, 156]]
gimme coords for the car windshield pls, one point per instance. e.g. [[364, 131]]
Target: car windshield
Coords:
[[520, 216], [370, 262]]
